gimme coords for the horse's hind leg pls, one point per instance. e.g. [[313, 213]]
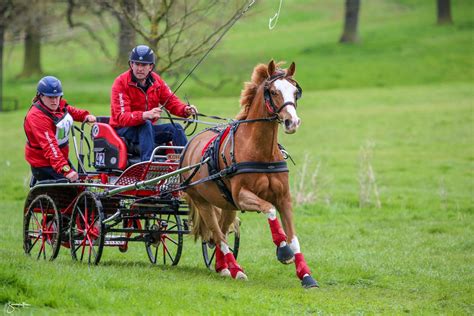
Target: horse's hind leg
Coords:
[[210, 215], [225, 260]]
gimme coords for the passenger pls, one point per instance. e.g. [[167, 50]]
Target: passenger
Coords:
[[137, 98], [47, 125]]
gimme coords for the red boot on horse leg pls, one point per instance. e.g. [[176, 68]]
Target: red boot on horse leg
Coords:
[[284, 253], [235, 270], [221, 265], [302, 269]]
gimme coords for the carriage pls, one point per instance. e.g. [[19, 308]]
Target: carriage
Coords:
[[122, 201], [125, 201]]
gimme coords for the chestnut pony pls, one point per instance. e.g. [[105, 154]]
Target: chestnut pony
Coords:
[[257, 179]]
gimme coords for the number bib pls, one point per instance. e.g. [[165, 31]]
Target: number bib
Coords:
[[62, 129]]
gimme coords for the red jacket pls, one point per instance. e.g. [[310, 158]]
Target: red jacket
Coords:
[[41, 149], [128, 101]]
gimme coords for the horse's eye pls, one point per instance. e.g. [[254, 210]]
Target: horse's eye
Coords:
[[273, 92]]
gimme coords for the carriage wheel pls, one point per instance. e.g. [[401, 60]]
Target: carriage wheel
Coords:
[[87, 229], [41, 228], [159, 244], [209, 249]]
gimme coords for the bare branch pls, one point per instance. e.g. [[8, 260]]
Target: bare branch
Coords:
[[88, 28]]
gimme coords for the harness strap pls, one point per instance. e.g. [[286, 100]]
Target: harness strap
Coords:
[[260, 167], [213, 165], [48, 114]]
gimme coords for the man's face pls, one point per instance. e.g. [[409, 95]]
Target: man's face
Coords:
[[141, 71], [51, 102]]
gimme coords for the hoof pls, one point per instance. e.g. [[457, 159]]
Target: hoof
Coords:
[[224, 273], [308, 282], [241, 276], [285, 255]]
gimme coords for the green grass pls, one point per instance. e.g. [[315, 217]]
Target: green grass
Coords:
[[407, 87]]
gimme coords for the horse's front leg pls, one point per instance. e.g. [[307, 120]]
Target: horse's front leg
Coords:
[[249, 201], [302, 270]]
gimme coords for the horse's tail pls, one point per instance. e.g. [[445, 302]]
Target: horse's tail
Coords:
[[199, 228]]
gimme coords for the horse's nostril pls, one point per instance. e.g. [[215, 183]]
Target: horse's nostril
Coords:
[[287, 123]]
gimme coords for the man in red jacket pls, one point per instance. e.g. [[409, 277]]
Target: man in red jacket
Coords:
[[47, 125], [138, 96]]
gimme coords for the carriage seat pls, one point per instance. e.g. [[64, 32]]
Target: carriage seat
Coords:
[[110, 150]]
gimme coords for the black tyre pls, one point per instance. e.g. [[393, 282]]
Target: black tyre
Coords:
[[163, 247], [209, 249], [87, 231], [41, 228]]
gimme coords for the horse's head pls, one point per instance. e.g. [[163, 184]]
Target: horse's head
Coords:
[[281, 93]]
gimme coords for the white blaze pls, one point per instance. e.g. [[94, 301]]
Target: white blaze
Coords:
[[288, 92]]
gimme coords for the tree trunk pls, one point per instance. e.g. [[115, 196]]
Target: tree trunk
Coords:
[[350, 22], [444, 12], [2, 31], [126, 36], [32, 56]]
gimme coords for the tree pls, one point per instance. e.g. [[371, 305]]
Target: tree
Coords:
[[126, 35], [32, 40], [444, 12], [349, 34], [177, 30], [6, 8]]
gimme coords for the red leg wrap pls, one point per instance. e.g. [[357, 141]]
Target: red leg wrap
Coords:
[[278, 235], [301, 266], [233, 265], [220, 260]]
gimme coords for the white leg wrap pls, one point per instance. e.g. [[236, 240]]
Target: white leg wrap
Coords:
[[295, 245], [224, 248], [272, 214]]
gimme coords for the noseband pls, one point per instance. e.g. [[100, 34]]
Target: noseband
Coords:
[[271, 107]]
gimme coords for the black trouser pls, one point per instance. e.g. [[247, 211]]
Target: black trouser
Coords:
[[47, 173]]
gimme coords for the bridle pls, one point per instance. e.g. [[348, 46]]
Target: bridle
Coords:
[[271, 107]]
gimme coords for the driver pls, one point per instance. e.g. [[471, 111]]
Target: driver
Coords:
[[137, 98], [47, 125]]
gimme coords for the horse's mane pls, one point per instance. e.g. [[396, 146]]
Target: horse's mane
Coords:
[[259, 75]]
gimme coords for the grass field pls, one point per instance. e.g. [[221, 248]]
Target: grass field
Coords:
[[406, 88]]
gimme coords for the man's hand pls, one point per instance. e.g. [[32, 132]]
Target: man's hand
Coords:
[[153, 114], [72, 176], [90, 118], [190, 109]]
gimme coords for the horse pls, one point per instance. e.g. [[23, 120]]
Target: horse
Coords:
[[246, 171]]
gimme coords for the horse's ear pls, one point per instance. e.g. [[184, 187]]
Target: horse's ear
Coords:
[[271, 68], [291, 70]]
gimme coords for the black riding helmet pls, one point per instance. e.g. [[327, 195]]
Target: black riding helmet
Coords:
[[142, 54]]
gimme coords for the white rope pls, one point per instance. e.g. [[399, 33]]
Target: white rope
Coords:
[[271, 25]]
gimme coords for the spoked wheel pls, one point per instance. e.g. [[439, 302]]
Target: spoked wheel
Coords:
[[158, 243], [233, 240], [87, 230], [41, 228]]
